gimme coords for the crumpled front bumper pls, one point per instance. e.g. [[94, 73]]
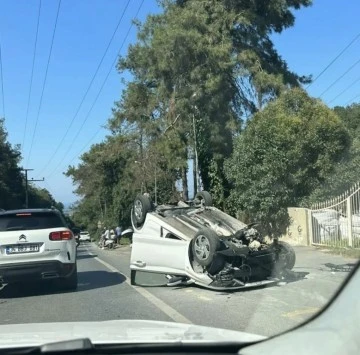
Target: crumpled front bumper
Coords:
[[245, 268]]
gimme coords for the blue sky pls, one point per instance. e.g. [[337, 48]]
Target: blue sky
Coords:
[[83, 32]]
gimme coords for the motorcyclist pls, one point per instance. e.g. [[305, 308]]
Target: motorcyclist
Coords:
[[105, 235]]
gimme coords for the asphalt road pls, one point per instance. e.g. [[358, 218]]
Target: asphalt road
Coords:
[[105, 293]]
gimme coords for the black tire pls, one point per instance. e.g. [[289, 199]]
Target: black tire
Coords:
[[142, 205], [132, 277], [204, 246], [289, 254], [70, 283], [217, 264], [205, 198]]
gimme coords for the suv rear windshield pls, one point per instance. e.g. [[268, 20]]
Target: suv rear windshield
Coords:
[[30, 220]]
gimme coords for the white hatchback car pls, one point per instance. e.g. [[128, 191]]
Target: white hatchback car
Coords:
[[195, 242], [36, 244], [85, 236]]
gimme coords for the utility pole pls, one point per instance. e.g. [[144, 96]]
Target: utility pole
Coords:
[[196, 162], [26, 186], [197, 175], [155, 186]]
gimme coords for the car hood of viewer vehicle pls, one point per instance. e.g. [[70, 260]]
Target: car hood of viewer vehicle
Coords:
[[117, 332]]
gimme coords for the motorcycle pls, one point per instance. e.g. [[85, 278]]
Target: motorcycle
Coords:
[[107, 242]]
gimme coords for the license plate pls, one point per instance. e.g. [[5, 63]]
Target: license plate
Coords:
[[19, 249]]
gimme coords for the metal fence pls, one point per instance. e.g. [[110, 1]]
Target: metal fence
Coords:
[[336, 222]]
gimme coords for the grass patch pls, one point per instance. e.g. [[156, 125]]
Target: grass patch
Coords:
[[125, 241], [345, 252]]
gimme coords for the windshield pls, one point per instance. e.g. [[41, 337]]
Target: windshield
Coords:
[[198, 162]]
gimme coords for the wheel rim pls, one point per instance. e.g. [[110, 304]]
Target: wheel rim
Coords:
[[202, 247], [138, 209]]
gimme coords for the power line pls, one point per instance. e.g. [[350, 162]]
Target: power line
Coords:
[[2, 81], [82, 149], [339, 78], [88, 88], [346, 89], [31, 77], [44, 83], [85, 146], [98, 94], [335, 59], [352, 99]]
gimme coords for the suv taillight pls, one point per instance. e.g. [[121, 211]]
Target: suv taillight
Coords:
[[61, 235]]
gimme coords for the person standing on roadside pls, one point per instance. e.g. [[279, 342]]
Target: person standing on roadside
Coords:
[[118, 231]]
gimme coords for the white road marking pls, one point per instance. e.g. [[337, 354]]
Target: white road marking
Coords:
[[204, 298], [157, 302]]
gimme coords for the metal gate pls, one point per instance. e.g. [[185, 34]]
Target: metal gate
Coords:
[[336, 222]]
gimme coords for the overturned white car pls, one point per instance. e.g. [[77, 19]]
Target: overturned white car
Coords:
[[197, 243]]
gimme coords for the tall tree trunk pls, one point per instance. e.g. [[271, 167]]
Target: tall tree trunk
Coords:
[[194, 176], [102, 213], [185, 184]]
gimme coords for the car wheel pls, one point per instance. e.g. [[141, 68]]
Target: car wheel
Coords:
[[132, 277], [142, 205], [70, 283], [205, 198], [287, 253], [204, 246]]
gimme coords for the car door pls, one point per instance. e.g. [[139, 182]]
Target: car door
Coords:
[[158, 249]]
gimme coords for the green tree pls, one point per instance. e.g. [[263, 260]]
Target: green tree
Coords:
[[205, 64], [11, 178], [346, 171], [42, 198], [285, 153], [197, 70], [109, 177]]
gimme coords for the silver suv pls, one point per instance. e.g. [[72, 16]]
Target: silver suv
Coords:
[[36, 244]]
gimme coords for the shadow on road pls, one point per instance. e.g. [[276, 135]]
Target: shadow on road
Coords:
[[85, 256], [87, 280], [83, 253]]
